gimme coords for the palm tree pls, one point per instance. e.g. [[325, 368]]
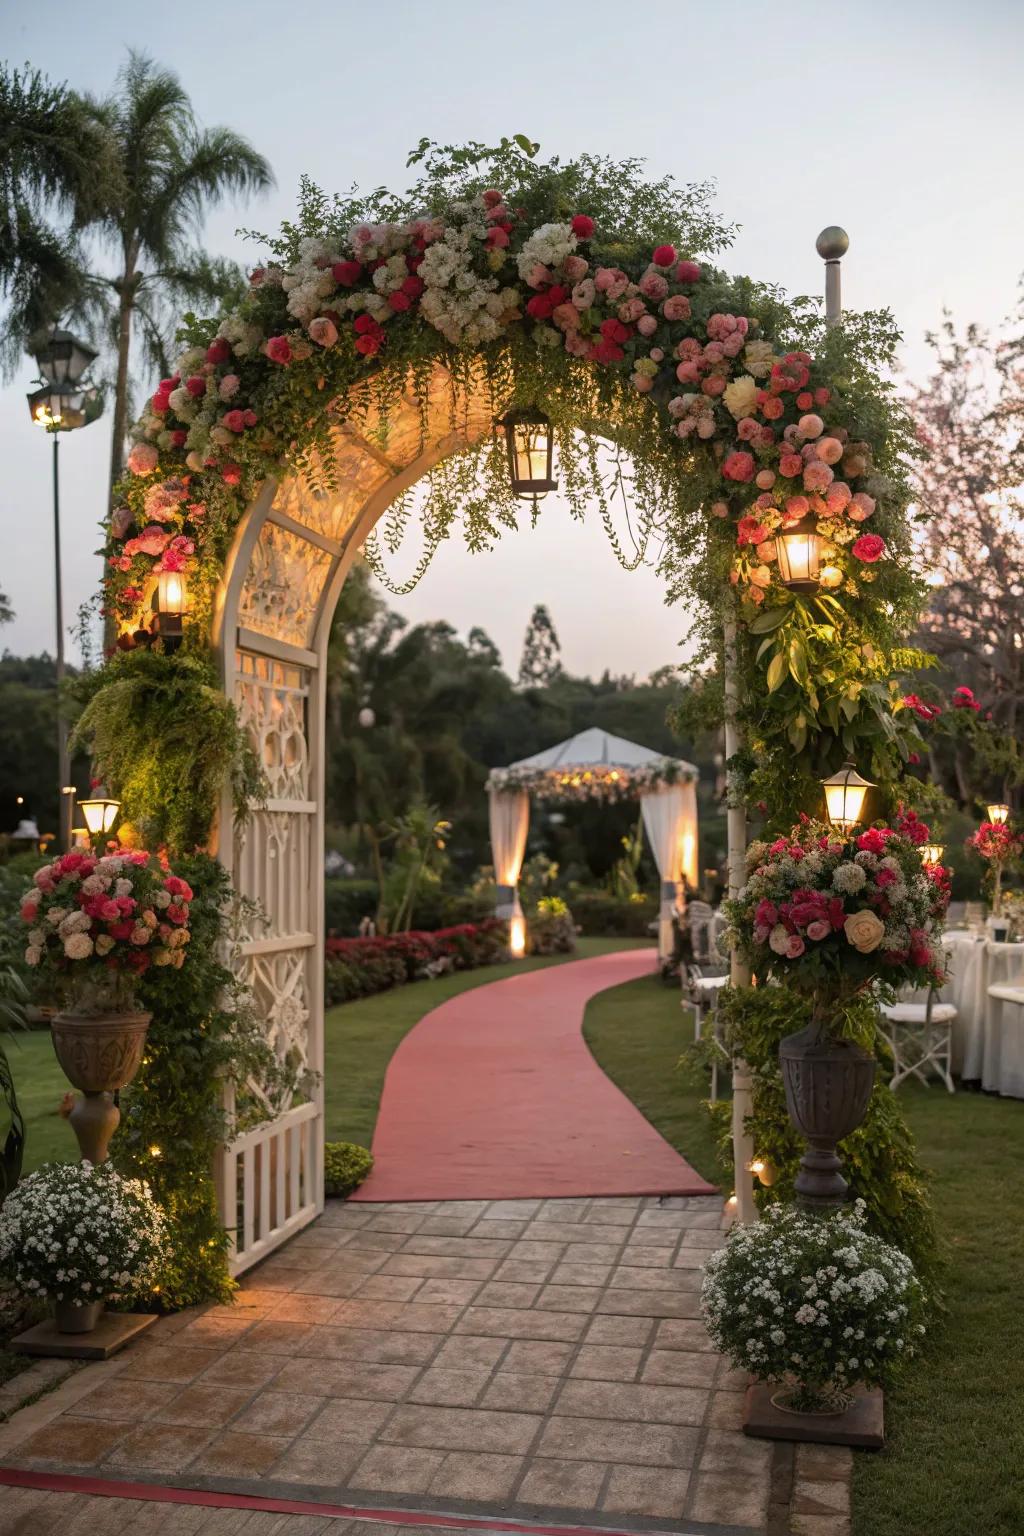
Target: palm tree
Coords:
[[167, 173], [54, 158]]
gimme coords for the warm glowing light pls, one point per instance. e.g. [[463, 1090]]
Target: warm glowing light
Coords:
[[831, 577], [998, 814], [529, 442], [844, 797], [44, 417], [100, 814], [172, 592], [155, 1151], [799, 552], [931, 854], [517, 937]]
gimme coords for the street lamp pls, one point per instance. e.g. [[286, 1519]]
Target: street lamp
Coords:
[[931, 854], [998, 815], [799, 552], [170, 605], [845, 792], [530, 445], [62, 402]]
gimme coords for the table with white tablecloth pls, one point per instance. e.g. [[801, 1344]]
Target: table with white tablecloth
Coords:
[[975, 963]]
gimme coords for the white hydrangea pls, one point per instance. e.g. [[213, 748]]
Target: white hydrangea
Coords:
[[548, 246], [849, 878]]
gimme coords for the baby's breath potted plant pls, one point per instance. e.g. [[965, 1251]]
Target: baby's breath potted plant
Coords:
[[96, 923], [80, 1235]]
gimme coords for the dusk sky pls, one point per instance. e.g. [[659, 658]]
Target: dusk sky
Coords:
[[902, 122]]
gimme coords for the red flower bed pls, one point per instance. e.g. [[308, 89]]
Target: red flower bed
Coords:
[[360, 967]]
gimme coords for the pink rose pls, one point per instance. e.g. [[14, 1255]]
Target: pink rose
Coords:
[[647, 325], [120, 522], [714, 384], [861, 507], [818, 930], [687, 272], [676, 307], [810, 426], [151, 541], [817, 476], [830, 449], [642, 382], [566, 317], [143, 459], [630, 310], [323, 331], [612, 281], [234, 421], [653, 285], [795, 946], [584, 293], [837, 497], [765, 479], [575, 267], [228, 387], [739, 466], [278, 349]]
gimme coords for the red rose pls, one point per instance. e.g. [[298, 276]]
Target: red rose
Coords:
[[218, 351], [614, 330], [160, 403], [557, 294], [367, 345], [347, 273], [606, 352], [365, 325], [687, 272], [179, 438], [739, 466], [413, 286], [540, 307], [235, 421], [664, 255], [196, 385], [805, 400], [279, 350], [399, 301], [822, 396], [231, 474], [582, 226], [869, 548]]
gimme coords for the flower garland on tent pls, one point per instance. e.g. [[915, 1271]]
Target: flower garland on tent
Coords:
[[605, 782]]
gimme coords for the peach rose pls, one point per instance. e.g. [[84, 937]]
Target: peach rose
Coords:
[[864, 931]]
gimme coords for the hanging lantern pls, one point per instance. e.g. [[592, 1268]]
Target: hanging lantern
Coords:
[[62, 359], [931, 854], [799, 553], [999, 815], [844, 797], [170, 604], [530, 444], [100, 814]]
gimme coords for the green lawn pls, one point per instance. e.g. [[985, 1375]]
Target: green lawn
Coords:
[[40, 1085]]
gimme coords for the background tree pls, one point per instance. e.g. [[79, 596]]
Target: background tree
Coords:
[[541, 661]]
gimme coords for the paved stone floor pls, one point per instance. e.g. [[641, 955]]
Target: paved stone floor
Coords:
[[518, 1359]]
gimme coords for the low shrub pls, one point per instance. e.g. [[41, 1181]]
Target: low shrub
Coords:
[[599, 914], [551, 930], [346, 1166], [347, 902], [360, 967]]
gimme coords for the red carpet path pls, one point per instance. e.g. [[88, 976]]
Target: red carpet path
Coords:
[[495, 1095]]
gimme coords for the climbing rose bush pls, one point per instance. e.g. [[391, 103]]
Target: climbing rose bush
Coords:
[[813, 1302], [78, 1233]]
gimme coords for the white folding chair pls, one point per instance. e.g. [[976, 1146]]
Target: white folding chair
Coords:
[[920, 1035]]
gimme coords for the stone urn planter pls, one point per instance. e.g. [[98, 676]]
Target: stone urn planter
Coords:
[[828, 1086], [98, 1053]]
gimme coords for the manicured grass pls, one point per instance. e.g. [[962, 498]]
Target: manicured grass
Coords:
[[361, 1037], [40, 1085]]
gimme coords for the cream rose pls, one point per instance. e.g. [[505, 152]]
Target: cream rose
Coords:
[[740, 396], [864, 931]]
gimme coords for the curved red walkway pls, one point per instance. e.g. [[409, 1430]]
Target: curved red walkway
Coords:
[[495, 1095]]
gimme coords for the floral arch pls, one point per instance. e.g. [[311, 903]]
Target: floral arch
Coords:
[[376, 348]]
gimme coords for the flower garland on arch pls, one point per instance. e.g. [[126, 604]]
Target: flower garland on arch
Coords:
[[605, 782]]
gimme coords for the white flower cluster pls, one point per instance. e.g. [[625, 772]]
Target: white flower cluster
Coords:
[[79, 1233], [813, 1299], [466, 308], [308, 282], [548, 246]]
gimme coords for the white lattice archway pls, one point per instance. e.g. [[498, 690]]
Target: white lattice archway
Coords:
[[291, 554]]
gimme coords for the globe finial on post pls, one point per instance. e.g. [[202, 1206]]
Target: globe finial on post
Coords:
[[832, 245]]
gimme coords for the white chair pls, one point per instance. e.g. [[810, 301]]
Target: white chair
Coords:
[[701, 992], [920, 1035]]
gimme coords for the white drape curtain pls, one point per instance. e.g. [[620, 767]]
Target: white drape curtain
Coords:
[[670, 821], [510, 821]]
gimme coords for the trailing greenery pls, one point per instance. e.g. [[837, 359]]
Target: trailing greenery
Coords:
[[346, 1166], [879, 1160], [166, 742]]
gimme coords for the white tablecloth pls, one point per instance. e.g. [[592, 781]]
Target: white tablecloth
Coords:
[[975, 964]]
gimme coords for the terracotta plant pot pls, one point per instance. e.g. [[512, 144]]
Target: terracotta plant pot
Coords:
[[828, 1086], [72, 1317], [99, 1053]]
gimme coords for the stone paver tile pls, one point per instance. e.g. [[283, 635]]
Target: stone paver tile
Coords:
[[636, 1403], [561, 1484], [573, 1232], [451, 1226], [381, 1287], [581, 1274], [349, 1419], [527, 1394], [81, 1442], [243, 1368], [691, 1258], [568, 1298], [823, 1461], [682, 1333], [639, 1491], [516, 1210], [458, 1247], [407, 1316], [829, 1496], [397, 1469], [499, 1226], [650, 1303], [725, 1410], [729, 1380], [430, 1266], [719, 1498], [204, 1405], [468, 1354], [336, 1285], [736, 1454], [347, 1378], [338, 1214], [461, 1429], [513, 1323], [635, 1278], [607, 1362], [352, 1261], [162, 1362], [273, 1338], [279, 1279], [536, 1253], [477, 1475], [507, 1293], [127, 1402], [524, 1271], [321, 1466], [443, 1292], [301, 1308], [601, 1214], [236, 1455], [606, 1440], [619, 1330], [818, 1525], [644, 1256], [160, 1447], [564, 1208], [278, 1413], [451, 1388], [537, 1357], [393, 1220], [460, 1207], [591, 1253], [698, 1237], [680, 1368], [372, 1344]]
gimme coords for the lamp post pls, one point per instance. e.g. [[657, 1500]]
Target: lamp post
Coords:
[[62, 402]]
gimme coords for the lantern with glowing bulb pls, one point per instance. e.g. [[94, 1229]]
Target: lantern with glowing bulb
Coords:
[[998, 815], [845, 792], [100, 814], [799, 554], [530, 445], [170, 605], [931, 854]]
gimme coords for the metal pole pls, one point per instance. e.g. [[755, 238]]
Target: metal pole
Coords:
[[63, 764], [832, 245], [739, 972]]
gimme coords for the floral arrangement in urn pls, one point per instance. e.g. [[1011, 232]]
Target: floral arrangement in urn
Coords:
[[816, 1305], [79, 1235], [830, 915], [999, 845]]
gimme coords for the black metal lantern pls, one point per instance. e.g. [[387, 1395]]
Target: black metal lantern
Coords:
[[170, 605], [845, 793], [63, 359], [530, 444], [799, 552]]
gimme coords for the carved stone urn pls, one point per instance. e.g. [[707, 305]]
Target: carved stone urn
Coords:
[[828, 1086], [99, 1053]]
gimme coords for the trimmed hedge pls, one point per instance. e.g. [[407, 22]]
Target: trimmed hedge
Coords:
[[601, 915], [347, 902], [346, 1165], [360, 967]]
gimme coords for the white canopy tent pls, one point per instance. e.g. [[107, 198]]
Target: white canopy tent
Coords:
[[599, 766]]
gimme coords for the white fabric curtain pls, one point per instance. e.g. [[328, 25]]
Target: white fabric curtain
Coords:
[[670, 821], [510, 821]]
